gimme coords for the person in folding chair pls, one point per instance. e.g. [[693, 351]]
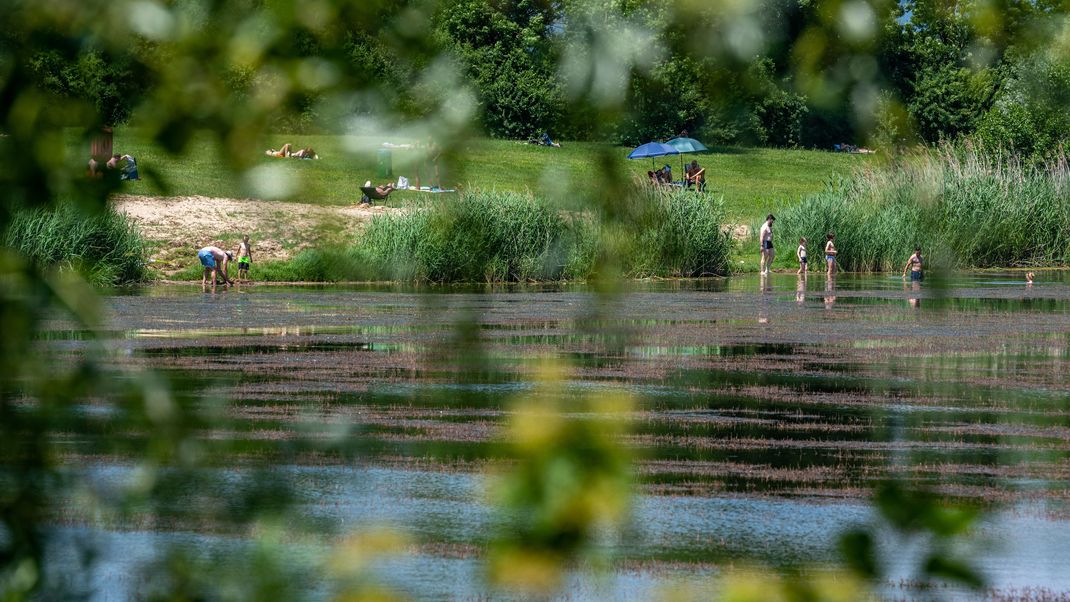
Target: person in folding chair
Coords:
[[375, 193]]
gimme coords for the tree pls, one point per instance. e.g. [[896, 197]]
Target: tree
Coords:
[[508, 53]]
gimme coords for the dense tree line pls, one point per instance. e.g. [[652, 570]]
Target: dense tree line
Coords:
[[772, 72]]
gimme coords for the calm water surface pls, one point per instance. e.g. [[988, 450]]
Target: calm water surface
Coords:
[[767, 411]]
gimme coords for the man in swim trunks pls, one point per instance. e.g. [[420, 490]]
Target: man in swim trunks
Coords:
[[914, 264], [765, 239], [211, 258]]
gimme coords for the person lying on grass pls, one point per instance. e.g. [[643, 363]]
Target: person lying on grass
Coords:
[[211, 258], [287, 150]]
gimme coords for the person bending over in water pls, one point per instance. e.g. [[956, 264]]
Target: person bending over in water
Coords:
[[1029, 279], [830, 252], [245, 258], [210, 258], [915, 265]]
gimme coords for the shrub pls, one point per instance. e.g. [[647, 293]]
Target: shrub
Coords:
[[492, 237], [105, 247], [677, 234]]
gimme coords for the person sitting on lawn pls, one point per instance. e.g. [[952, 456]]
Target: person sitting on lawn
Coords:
[[128, 171], [666, 174], [379, 193], [696, 175]]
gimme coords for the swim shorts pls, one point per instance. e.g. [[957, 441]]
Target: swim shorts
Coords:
[[802, 260], [830, 258], [207, 259], [244, 263], [768, 244], [917, 276]]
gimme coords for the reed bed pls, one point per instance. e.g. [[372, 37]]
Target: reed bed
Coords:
[[105, 247], [497, 237], [965, 208]]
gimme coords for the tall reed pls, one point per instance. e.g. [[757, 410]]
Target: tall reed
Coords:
[[492, 236], [964, 207], [104, 246], [675, 233]]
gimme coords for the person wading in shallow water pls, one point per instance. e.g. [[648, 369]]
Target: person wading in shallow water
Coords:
[[830, 253], [211, 258], [914, 264], [245, 258], [765, 239]]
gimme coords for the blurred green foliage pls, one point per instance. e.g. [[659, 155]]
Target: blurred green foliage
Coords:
[[240, 69], [771, 72]]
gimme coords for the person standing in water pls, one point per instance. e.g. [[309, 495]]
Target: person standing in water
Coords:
[[245, 258], [211, 258], [830, 253], [914, 264], [765, 240], [801, 254]]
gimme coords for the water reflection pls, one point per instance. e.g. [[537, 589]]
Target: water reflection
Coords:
[[971, 398], [913, 300]]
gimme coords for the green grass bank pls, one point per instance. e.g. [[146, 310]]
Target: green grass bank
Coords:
[[515, 237], [751, 181]]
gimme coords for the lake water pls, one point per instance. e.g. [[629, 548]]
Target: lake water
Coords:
[[767, 411]]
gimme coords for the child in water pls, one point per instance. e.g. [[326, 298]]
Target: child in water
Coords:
[[801, 254], [245, 258], [830, 253]]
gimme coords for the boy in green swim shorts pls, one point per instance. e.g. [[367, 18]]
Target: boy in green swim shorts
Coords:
[[245, 258]]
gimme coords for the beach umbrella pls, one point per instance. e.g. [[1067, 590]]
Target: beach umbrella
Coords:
[[652, 149], [686, 146]]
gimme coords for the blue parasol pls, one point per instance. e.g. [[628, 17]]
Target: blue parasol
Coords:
[[652, 149]]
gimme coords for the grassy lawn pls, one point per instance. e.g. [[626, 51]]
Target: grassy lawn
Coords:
[[752, 181]]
